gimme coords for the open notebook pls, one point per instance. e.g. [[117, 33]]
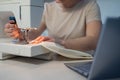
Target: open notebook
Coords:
[[56, 48]]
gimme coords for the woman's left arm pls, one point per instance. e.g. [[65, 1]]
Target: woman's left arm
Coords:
[[89, 41]]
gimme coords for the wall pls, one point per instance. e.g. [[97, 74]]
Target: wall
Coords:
[[109, 8]]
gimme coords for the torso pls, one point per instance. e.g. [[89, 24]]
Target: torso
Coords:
[[66, 24]]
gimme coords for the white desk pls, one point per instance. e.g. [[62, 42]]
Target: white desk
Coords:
[[21, 68]]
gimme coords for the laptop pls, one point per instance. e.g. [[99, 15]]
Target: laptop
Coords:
[[105, 64]]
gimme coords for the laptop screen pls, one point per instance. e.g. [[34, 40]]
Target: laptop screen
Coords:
[[106, 63]]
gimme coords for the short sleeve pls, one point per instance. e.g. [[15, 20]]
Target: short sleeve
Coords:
[[93, 12]]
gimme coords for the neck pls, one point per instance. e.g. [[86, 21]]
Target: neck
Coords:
[[72, 4]]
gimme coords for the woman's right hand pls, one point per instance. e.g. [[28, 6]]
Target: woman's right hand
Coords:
[[12, 30]]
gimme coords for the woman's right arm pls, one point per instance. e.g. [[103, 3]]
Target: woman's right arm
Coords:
[[32, 33], [35, 32]]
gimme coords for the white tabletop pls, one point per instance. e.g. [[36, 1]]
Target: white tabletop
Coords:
[[21, 68]]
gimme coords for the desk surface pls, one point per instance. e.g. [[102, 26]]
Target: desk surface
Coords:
[[21, 68]]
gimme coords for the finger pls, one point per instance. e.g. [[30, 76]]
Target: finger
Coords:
[[8, 30], [7, 25], [11, 26], [10, 35], [50, 40], [33, 42], [37, 40], [16, 34], [46, 38], [12, 22]]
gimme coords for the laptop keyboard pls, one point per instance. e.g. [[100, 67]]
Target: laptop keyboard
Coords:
[[83, 69]]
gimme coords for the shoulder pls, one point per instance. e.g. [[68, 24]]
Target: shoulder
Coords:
[[92, 10], [90, 2], [91, 5], [49, 5]]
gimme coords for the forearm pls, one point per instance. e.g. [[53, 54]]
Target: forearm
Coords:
[[29, 33], [83, 44], [32, 33]]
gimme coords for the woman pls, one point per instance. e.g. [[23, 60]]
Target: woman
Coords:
[[75, 24]]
